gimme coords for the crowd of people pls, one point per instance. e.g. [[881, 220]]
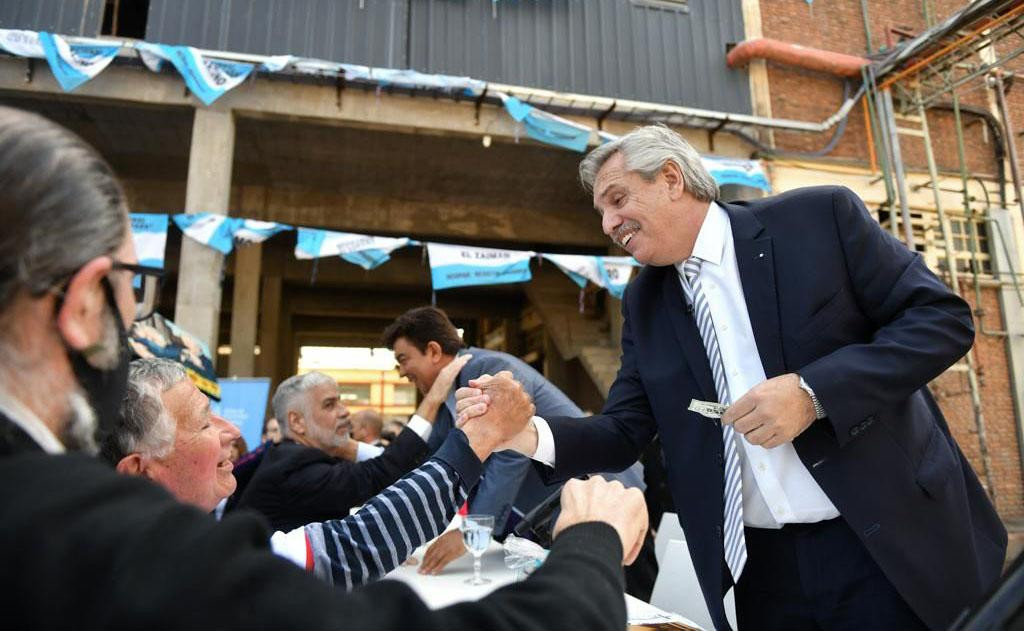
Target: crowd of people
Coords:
[[826, 488]]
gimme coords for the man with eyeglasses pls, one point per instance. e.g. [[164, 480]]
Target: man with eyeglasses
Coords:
[[82, 547]]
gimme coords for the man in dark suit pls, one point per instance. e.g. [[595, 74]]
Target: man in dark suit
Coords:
[[822, 332], [309, 476], [85, 548]]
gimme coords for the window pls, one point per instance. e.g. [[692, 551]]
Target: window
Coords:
[[405, 394], [125, 18], [354, 393]]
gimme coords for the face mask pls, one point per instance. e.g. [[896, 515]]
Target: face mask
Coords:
[[104, 387]]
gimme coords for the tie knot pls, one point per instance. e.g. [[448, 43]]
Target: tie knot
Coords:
[[691, 267]]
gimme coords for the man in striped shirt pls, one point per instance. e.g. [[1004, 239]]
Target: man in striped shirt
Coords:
[[168, 434]]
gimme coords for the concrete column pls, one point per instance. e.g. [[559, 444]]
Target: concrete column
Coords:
[[244, 310], [270, 327], [197, 306]]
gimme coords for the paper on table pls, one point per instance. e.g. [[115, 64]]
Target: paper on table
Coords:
[[640, 613]]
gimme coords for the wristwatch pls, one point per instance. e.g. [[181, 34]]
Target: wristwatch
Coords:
[[819, 410]]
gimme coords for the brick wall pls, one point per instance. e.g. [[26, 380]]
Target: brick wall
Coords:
[[837, 25], [953, 394]]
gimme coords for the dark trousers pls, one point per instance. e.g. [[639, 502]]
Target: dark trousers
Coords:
[[816, 576]]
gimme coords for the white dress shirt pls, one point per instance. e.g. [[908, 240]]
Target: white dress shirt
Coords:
[[777, 487]]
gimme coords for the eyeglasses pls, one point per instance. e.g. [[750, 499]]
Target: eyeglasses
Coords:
[[146, 283]]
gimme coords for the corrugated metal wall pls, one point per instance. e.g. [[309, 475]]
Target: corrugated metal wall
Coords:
[[337, 30], [617, 48], [620, 48], [68, 17]]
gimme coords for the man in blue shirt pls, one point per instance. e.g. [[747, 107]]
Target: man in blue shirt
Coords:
[[425, 341]]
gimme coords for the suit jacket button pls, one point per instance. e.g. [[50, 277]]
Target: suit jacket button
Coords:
[[718, 531]]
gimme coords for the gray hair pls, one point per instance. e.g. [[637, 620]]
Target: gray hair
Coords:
[[60, 206], [289, 396], [144, 425], [646, 150]]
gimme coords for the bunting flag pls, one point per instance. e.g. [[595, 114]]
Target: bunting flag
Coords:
[[616, 271], [461, 266], [737, 171], [611, 272], [220, 232], [72, 63], [21, 43], [363, 250], [548, 128], [149, 233], [207, 78]]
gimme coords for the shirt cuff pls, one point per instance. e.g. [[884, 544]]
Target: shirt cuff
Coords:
[[457, 454], [545, 442], [291, 545], [366, 451], [420, 425]]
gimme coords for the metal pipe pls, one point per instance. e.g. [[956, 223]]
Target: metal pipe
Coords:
[[897, 167], [954, 280], [827, 61], [886, 158], [867, 24], [972, 227], [996, 80]]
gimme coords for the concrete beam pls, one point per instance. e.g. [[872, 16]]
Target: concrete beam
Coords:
[[197, 306], [424, 219], [283, 97], [244, 309]]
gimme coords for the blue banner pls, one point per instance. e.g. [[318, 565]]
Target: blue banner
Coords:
[[364, 250], [462, 266], [548, 128], [220, 232], [207, 78], [244, 403], [737, 171], [149, 232], [74, 64]]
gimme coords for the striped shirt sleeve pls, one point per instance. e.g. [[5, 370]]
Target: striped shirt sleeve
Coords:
[[367, 545]]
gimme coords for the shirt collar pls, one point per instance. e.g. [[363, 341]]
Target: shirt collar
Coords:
[[711, 238], [24, 418]]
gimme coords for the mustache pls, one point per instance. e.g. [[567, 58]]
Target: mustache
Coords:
[[623, 230]]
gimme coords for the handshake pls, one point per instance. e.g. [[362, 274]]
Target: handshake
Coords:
[[496, 413]]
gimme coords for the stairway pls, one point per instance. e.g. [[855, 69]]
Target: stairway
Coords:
[[575, 336]]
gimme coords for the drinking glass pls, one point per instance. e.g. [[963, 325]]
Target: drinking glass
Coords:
[[476, 535]]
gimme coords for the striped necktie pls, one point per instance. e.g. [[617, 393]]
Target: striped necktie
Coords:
[[735, 545]]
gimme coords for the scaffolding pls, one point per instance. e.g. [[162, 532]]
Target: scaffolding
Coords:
[[965, 53]]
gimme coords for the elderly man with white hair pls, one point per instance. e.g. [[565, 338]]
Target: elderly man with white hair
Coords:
[[167, 433]]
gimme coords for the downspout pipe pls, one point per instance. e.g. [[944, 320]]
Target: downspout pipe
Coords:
[[826, 61]]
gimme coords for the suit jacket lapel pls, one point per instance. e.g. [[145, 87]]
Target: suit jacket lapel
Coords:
[[686, 332], [757, 274]]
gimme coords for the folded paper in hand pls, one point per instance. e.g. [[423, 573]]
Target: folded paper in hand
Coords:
[[708, 408]]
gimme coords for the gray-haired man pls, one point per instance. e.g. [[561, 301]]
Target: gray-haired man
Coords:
[[167, 433], [309, 477]]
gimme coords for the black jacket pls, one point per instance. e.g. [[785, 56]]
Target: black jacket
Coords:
[[294, 485], [84, 548]]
